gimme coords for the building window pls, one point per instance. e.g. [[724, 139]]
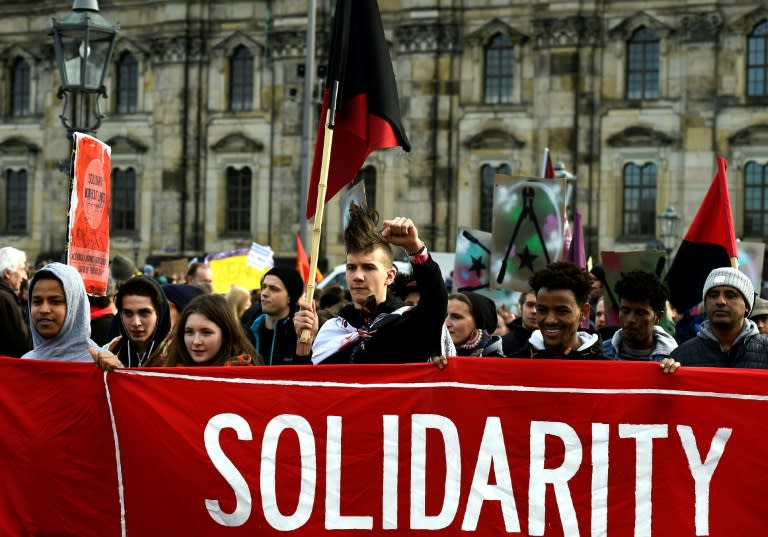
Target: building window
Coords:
[[127, 84], [639, 201], [368, 177], [241, 80], [755, 200], [238, 200], [757, 61], [123, 200], [13, 217], [499, 66], [643, 65], [487, 187], [20, 88]]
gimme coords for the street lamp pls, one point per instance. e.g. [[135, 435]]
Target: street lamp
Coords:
[[83, 44], [669, 222]]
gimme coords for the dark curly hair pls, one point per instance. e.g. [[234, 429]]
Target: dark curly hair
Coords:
[[362, 235], [639, 286], [563, 275]]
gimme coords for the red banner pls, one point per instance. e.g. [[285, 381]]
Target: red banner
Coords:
[[487, 446]]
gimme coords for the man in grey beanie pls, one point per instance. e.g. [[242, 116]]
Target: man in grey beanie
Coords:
[[728, 338]]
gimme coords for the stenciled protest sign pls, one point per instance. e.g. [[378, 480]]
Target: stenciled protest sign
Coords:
[[527, 229], [484, 447], [88, 236]]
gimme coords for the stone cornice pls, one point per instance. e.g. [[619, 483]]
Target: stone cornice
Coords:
[[126, 144], [752, 135], [745, 24], [225, 46], [494, 138], [18, 145], [482, 35], [638, 136], [627, 27], [237, 143]]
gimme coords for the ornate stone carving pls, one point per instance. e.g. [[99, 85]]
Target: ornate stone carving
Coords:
[[427, 37], [567, 32], [290, 43], [697, 27]]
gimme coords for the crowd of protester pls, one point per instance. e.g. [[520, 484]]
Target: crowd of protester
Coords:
[[382, 317]]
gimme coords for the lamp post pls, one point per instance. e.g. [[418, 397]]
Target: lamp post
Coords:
[[669, 222], [136, 248], [83, 43]]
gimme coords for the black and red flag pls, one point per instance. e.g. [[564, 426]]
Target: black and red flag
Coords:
[[710, 243], [367, 107]]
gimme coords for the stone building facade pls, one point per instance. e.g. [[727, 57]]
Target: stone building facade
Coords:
[[204, 116]]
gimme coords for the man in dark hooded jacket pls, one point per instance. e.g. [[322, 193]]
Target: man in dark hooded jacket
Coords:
[[144, 321], [272, 332]]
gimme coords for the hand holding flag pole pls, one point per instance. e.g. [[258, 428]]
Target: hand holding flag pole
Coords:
[[304, 345]]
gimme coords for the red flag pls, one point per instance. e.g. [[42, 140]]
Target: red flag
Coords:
[[302, 262], [709, 243], [368, 111]]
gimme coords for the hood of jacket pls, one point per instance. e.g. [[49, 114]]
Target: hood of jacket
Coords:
[[664, 344], [74, 339]]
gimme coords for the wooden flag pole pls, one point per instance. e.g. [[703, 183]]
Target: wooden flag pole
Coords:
[[304, 346]]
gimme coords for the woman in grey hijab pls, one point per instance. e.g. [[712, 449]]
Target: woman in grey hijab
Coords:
[[59, 315]]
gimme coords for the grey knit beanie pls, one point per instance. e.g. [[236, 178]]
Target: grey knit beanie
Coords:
[[731, 277]]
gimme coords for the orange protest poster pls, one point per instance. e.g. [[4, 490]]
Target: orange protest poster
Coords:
[[88, 236]]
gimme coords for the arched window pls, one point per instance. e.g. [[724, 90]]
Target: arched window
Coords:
[[487, 186], [755, 200], [123, 200], [639, 201], [368, 176], [499, 67], [13, 216], [238, 200], [127, 84], [757, 61], [20, 88], [241, 80], [643, 65]]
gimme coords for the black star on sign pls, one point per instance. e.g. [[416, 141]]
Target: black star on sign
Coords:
[[477, 266], [526, 258]]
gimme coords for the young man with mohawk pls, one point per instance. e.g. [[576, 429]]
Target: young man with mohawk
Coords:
[[378, 327]]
